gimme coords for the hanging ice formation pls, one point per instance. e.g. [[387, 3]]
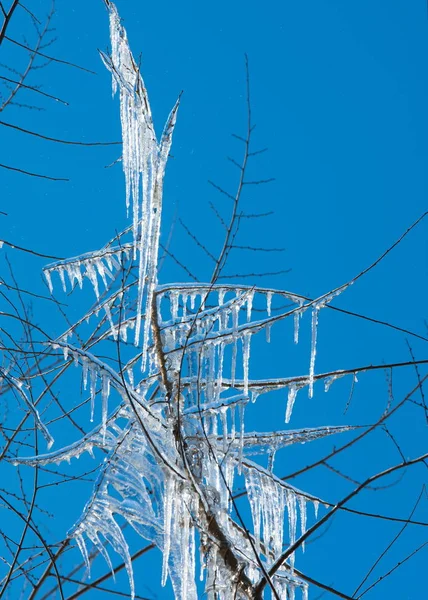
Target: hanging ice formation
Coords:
[[176, 440], [144, 161]]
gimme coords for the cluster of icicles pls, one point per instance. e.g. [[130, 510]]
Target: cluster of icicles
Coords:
[[150, 491], [205, 333], [197, 324]]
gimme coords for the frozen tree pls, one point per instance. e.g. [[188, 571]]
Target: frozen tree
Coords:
[[172, 398]]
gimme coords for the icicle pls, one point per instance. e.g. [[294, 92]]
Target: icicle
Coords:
[[302, 508], [92, 276], [296, 326], [168, 511], [252, 484], [241, 434], [85, 368], [82, 547], [305, 591], [269, 303], [184, 553], [223, 415], [250, 297], [292, 394], [246, 340], [330, 380], [94, 375], [292, 520], [130, 374], [69, 271], [105, 392], [202, 556], [268, 328], [315, 312], [62, 277], [316, 506], [192, 300], [232, 422], [233, 364], [102, 270], [219, 381], [173, 298], [184, 301], [49, 280]]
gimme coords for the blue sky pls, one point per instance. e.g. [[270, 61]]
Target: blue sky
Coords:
[[339, 95]]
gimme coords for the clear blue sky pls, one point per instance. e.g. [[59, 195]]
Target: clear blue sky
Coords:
[[339, 95]]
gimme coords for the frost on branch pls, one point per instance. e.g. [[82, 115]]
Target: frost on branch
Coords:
[[174, 443]]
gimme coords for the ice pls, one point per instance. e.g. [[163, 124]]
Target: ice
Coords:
[[172, 453], [292, 520], [246, 341], [144, 161], [302, 508], [48, 279], [94, 376], [254, 496], [250, 297], [241, 432], [82, 547], [297, 316], [62, 277], [292, 394], [315, 312], [174, 304], [269, 303], [105, 392], [85, 369], [168, 507], [330, 380]]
